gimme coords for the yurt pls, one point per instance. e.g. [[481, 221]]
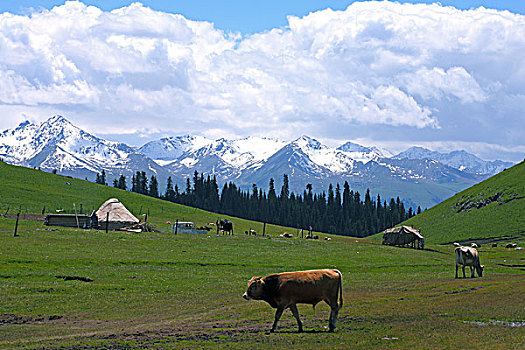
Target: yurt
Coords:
[[116, 214]]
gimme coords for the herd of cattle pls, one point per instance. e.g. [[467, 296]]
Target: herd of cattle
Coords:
[[285, 290]]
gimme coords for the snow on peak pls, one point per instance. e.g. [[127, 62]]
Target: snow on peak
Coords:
[[353, 147], [29, 142], [306, 142], [363, 154], [168, 149]]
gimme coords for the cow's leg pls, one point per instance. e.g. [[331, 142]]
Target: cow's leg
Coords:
[[295, 313], [472, 272], [278, 314], [463, 267], [332, 321], [457, 266]]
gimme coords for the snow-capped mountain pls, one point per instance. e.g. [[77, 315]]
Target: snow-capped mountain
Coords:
[[187, 150], [363, 154], [461, 160], [416, 176], [168, 149], [58, 144]]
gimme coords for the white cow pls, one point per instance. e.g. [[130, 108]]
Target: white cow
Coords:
[[468, 256]]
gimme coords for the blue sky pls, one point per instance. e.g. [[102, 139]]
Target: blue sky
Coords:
[[388, 74], [246, 16]]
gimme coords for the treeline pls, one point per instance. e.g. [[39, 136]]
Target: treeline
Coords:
[[340, 211]]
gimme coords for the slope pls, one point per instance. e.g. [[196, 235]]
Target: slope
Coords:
[[33, 191], [489, 211]]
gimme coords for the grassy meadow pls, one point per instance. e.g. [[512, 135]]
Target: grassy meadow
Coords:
[[70, 288], [493, 210]]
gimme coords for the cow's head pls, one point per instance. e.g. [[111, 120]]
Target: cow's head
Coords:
[[255, 289], [479, 270]]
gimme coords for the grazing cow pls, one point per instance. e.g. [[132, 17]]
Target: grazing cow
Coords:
[[285, 290], [468, 256], [225, 226], [511, 245], [287, 235]]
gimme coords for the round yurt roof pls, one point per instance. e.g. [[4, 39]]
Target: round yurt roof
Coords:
[[117, 212]]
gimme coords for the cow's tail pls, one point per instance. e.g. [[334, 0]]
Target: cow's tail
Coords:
[[340, 289]]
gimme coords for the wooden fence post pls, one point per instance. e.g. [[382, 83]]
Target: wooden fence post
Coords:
[[16, 225], [264, 228], [107, 222], [176, 225], [76, 216]]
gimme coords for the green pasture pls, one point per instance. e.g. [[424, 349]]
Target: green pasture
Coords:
[[67, 288], [502, 219], [159, 290]]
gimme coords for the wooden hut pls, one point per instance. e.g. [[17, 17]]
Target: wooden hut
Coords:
[[71, 220], [404, 236], [119, 216]]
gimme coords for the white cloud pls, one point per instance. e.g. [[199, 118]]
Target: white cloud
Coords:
[[437, 83], [376, 64]]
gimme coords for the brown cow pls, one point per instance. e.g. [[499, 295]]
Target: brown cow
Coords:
[[285, 290], [468, 256]]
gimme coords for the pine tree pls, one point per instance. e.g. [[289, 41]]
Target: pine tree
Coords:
[[122, 182], [134, 187], [285, 190], [170, 193], [143, 183], [153, 187]]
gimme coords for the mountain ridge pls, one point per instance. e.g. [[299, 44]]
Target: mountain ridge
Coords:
[[58, 144]]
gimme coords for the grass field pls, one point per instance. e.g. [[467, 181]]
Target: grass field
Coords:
[[86, 289], [489, 211], [155, 290]]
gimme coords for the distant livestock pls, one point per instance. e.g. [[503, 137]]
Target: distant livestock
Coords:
[[286, 290], [226, 226], [287, 235], [468, 256], [511, 245]]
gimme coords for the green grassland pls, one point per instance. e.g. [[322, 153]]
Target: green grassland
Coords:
[[489, 211], [74, 288]]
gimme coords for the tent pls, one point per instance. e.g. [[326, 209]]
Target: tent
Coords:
[[404, 236], [117, 213]]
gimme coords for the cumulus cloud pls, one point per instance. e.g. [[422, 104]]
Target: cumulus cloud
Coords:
[[375, 64]]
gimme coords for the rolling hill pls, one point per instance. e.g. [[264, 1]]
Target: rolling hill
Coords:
[[69, 288], [489, 211], [31, 191]]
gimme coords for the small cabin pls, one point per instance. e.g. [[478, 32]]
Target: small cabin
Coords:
[[72, 220], [404, 236]]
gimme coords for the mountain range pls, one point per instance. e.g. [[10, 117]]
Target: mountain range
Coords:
[[418, 176]]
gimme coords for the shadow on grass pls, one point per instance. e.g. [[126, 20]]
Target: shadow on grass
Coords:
[[310, 331]]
